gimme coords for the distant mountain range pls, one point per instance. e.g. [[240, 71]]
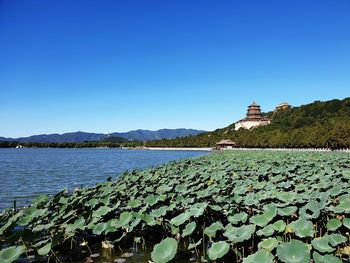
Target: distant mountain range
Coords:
[[135, 135]]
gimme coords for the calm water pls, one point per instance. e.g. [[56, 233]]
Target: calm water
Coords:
[[26, 173]]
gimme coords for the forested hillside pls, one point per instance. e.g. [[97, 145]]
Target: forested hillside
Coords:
[[318, 124]]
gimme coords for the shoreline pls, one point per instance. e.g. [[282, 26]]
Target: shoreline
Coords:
[[243, 149], [206, 149]]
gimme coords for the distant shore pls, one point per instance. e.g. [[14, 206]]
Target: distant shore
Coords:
[[207, 149], [245, 149]]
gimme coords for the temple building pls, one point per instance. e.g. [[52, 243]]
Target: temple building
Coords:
[[282, 106], [225, 144], [253, 119]]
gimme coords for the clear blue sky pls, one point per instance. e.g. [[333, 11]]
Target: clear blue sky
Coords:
[[105, 66]]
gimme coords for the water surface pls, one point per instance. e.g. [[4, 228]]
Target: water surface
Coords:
[[26, 173]]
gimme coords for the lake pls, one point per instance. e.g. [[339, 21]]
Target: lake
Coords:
[[26, 173]]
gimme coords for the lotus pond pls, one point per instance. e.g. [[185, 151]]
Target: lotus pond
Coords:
[[232, 206]]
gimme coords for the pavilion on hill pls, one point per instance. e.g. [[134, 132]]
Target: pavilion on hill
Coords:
[[253, 119]]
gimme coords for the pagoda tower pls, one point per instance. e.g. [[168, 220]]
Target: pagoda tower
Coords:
[[254, 112], [253, 119]]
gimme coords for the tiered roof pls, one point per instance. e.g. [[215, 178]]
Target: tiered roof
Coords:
[[254, 112]]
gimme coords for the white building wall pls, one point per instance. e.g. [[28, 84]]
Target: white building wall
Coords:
[[249, 124]]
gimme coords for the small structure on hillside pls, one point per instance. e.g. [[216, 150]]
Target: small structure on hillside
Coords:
[[253, 119], [225, 144], [282, 106]]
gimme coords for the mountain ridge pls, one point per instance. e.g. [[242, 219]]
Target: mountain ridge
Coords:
[[133, 135]]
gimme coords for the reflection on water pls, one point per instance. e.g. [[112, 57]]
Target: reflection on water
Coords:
[[134, 254], [26, 173]]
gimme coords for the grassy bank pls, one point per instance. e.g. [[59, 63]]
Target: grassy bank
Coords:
[[229, 206]]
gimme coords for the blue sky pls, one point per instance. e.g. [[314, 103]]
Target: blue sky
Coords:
[[105, 66]]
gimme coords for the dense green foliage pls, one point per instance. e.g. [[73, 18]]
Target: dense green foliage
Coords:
[[319, 125], [232, 206]]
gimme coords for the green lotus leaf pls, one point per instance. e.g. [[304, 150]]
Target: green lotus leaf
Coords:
[[318, 258], [92, 202], [266, 231], [335, 191], [211, 230], [112, 226], [335, 210], [11, 254], [10, 222], [190, 227], [268, 244], [31, 213], [270, 211], [235, 219], [39, 228], [106, 200], [180, 219], [151, 200], [302, 228], [336, 239], [122, 187], [180, 188], [101, 211], [78, 224], [260, 220], [216, 207], [134, 203], [321, 244], [41, 199], [300, 187], [250, 200], [261, 256], [346, 222], [107, 190], [310, 210], [196, 212], [286, 196], [161, 211], [287, 211], [134, 223], [333, 224], [218, 250], [164, 251], [125, 218], [344, 205], [99, 228], [198, 209], [240, 234], [45, 249], [346, 174], [163, 189], [149, 220], [294, 251], [180, 199], [279, 226]]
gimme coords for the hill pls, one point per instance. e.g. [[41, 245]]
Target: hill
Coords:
[[147, 135], [136, 135], [318, 124]]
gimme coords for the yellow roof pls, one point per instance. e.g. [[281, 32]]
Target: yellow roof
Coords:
[[226, 142]]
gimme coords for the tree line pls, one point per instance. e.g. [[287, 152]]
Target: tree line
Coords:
[[93, 144], [315, 125]]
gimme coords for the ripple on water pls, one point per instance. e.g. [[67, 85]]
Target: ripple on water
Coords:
[[26, 173]]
